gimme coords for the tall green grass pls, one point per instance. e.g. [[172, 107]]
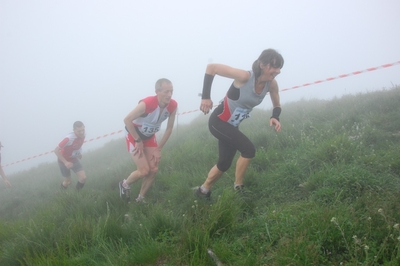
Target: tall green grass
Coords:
[[324, 191]]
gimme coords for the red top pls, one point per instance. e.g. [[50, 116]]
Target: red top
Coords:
[[70, 147]]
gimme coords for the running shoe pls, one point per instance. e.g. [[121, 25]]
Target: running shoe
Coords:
[[124, 192], [140, 199], [198, 193], [239, 188]]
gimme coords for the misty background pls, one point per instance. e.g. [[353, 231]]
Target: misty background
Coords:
[[62, 61]]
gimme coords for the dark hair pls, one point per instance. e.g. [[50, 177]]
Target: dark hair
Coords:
[[160, 82], [78, 124], [269, 56]]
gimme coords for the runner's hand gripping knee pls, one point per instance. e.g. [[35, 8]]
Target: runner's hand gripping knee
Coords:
[[139, 149], [156, 156]]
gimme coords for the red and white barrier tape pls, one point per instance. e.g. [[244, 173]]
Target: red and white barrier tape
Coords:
[[344, 75], [42, 154], [192, 111], [324, 80]]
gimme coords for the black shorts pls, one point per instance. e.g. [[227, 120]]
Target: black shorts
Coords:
[[67, 172], [230, 140]]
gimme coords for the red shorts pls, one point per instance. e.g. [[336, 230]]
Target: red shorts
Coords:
[[131, 144]]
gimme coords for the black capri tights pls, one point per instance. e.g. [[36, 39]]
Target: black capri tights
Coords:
[[230, 140]]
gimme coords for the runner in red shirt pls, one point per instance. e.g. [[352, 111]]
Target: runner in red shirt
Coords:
[[69, 152], [3, 175], [141, 124]]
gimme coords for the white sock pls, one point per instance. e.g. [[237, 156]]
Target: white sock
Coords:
[[125, 185], [237, 185], [204, 190], [140, 197]]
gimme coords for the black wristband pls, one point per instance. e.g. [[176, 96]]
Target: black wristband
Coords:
[[208, 79], [276, 113], [138, 140]]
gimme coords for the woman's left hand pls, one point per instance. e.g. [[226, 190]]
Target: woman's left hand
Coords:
[[206, 106], [275, 123]]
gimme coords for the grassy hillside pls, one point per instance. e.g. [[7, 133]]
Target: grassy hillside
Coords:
[[324, 191]]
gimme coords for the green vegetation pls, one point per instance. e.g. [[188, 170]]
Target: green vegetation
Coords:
[[324, 191]]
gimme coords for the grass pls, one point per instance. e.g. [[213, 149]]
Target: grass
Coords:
[[324, 191]]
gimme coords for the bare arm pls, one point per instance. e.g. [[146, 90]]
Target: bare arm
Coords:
[[168, 131], [156, 156], [57, 152], [240, 77], [3, 175], [274, 94], [135, 113]]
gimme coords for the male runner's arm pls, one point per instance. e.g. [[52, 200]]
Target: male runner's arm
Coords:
[[3, 175], [167, 134], [135, 113], [57, 152], [168, 131]]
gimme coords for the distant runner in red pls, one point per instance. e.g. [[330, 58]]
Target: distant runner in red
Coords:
[[69, 152], [141, 125], [3, 175]]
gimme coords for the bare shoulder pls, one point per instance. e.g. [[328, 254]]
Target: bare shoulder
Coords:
[[228, 72]]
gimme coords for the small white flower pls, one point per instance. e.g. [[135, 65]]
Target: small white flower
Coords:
[[366, 247], [396, 226], [333, 220], [380, 210]]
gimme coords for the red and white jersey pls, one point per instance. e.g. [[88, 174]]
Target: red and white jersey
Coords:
[[149, 123], [71, 147]]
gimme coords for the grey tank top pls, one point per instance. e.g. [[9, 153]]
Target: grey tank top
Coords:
[[239, 102]]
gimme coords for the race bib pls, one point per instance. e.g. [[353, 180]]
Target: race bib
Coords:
[[148, 130], [238, 116], [76, 153]]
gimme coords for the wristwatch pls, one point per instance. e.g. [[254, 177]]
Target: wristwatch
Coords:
[[138, 140]]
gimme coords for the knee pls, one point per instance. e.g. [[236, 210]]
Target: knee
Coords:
[[224, 166], [143, 172], [153, 170], [81, 176], [249, 153]]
